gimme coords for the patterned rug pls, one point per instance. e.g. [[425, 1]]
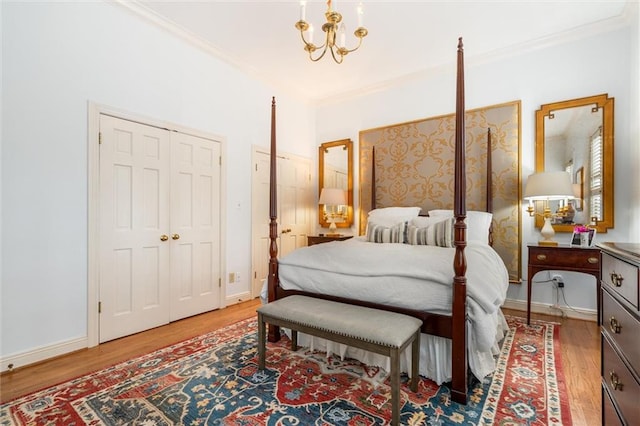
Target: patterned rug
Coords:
[[213, 380]]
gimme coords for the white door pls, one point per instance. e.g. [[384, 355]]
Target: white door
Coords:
[[160, 237], [134, 223], [294, 203], [195, 226], [295, 207], [260, 221]]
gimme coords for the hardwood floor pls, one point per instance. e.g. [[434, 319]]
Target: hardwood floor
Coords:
[[580, 344]]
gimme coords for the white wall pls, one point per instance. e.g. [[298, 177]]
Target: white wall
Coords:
[[566, 70], [58, 56]]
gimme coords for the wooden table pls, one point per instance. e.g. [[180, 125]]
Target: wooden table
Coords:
[[325, 238], [563, 257]]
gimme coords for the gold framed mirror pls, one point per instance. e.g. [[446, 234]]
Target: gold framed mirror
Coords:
[[576, 136], [335, 172]]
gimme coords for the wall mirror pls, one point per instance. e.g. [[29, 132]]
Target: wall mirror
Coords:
[[576, 136], [335, 172]]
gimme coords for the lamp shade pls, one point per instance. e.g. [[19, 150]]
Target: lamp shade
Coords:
[[333, 197], [548, 186]]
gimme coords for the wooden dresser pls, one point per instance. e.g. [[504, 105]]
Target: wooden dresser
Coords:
[[620, 333]]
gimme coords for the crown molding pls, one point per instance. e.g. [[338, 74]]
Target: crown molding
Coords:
[[585, 31]]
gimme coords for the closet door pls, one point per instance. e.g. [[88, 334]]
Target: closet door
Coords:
[[160, 236], [295, 204], [134, 227], [195, 226]]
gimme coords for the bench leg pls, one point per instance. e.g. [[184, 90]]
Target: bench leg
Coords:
[[415, 362], [294, 340], [395, 386], [261, 341]]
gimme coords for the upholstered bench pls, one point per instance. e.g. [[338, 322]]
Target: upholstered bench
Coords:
[[382, 332]]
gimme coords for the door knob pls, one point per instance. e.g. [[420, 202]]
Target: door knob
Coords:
[[175, 236], [164, 237]]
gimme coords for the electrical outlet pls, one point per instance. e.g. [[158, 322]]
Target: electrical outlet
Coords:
[[237, 276], [558, 280]]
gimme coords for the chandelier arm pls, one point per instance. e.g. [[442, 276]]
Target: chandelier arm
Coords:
[[321, 55], [330, 28], [336, 59], [306, 43]]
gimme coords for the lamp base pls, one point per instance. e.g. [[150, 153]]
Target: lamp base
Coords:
[[547, 233]]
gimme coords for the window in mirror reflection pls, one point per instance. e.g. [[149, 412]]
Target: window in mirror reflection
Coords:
[[576, 136], [573, 142]]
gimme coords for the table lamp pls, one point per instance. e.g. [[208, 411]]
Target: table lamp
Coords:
[[332, 197], [547, 186]]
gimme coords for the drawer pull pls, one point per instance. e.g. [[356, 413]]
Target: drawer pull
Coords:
[[592, 260], [614, 325], [616, 279], [615, 381], [541, 257]]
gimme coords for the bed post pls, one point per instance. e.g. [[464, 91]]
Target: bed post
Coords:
[[272, 278], [459, 340]]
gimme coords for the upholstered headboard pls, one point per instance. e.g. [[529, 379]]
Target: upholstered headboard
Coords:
[[414, 164]]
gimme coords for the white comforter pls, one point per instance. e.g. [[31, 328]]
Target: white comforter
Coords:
[[416, 277]]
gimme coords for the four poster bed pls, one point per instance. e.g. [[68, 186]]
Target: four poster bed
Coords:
[[460, 309]]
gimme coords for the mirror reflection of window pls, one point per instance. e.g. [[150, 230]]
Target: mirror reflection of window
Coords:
[[335, 168], [595, 175], [569, 146], [579, 133]]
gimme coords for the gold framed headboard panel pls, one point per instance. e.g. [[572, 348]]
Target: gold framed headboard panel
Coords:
[[415, 162]]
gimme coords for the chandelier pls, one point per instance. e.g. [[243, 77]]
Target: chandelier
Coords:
[[335, 33]]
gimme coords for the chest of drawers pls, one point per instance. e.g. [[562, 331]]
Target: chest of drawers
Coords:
[[620, 341]]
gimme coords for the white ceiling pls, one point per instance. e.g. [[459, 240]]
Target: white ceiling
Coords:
[[406, 38]]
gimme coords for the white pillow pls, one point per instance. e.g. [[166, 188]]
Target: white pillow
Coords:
[[424, 221], [478, 223], [389, 216]]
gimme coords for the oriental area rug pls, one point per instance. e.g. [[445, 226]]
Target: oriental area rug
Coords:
[[213, 379]]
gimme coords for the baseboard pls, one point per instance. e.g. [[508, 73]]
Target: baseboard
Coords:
[[41, 354], [547, 309], [237, 298]]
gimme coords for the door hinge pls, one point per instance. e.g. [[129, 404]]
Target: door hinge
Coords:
[[99, 307], [99, 138], [219, 282], [220, 160], [255, 274], [256, 167]]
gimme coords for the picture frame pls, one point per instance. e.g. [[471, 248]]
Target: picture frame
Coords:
[[579, 201], [576, 238]]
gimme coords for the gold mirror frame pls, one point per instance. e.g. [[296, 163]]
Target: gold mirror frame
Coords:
[[599, 101], [347, 146]]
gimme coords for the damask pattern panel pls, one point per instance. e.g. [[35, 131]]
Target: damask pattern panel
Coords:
[[414, 166]]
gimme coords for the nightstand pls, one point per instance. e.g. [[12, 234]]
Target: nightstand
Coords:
[[319, 239], [563, 257]]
